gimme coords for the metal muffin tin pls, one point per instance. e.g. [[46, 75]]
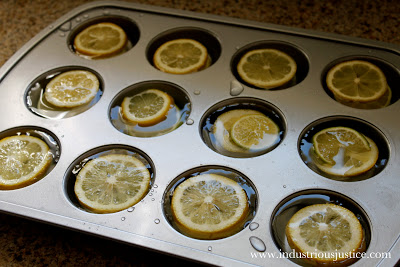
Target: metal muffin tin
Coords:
[[279, 178]]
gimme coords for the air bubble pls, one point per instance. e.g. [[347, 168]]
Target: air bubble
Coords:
[[157, 221], [209, 248], [197, 92], [123, 219], [189, 122], [131, 209]]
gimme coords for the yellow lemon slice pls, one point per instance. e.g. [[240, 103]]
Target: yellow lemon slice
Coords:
[[209, 206], [351, 162], [357, 81], [112, 183], [180, 56], [325, 233], [23, 160], [255, 132], [381, 102], [72, 89], [266, 68], [147, 108], [328, 142], [101, 40], [222, 128]]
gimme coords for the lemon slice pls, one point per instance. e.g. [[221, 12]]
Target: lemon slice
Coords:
[[23, 160], [180, 56], [112, 183], [209, 206], [222, 128], [325, 233], [101, 40], [266, 68], [381, 102], [72, 89], [255, 132], [147, 108], [329, 142], [356, 80], [351, 162]]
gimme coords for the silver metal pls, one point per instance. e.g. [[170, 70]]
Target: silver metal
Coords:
[[275, 175]]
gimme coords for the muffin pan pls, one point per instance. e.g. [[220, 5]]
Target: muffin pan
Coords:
[[277, 182]]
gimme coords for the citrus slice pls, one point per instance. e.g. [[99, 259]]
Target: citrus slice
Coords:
[[101, 40], [329, 142], [351, 163], [112, 183], [325, 233], [255, 132], [222, 129], [266, 68], [147, 108], [23, 160], [356, 80], [381, 102], [209, 206], [180, 56], [72, 89]]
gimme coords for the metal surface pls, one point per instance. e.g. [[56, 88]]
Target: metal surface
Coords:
[[275, 175]]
